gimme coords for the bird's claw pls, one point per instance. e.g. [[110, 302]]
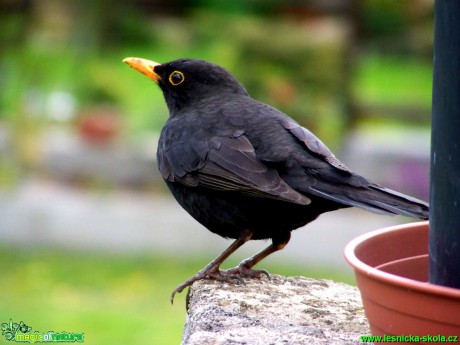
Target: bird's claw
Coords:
[[244, 270], [207, 272], [231, 275], [213, 273]]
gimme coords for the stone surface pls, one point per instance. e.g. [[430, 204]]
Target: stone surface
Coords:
[[284, 310]]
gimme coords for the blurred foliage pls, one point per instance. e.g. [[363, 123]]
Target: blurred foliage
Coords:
[[394, 80], [383, 18], [291, 64], [111, 299]]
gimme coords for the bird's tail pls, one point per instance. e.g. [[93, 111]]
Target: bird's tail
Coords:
[[378, 199]]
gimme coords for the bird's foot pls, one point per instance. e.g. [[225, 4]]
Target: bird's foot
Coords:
[[210, 272], [244, 269]]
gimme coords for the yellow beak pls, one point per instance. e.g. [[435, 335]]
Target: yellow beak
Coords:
[[144, 66]]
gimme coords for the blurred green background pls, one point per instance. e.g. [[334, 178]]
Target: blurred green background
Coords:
[[88, 241]]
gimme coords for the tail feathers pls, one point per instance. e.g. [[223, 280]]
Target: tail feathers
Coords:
[[376, 199]]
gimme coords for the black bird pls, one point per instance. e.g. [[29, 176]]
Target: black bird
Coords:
[[247, 171]]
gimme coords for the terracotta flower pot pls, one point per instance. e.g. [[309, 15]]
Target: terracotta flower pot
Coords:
[[391, 268]]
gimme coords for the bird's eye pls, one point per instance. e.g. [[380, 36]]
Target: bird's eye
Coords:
[[176, 78]]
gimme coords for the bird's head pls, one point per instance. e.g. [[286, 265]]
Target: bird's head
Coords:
[[187, 81]]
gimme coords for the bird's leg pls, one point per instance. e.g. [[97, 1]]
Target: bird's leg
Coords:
[[244, 269], [211, 270]]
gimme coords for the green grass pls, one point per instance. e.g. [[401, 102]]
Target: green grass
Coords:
[[112, 299]]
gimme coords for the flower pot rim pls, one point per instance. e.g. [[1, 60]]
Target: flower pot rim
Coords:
[[389, 278]]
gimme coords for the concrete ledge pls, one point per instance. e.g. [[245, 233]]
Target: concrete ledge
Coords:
[[284, 310]]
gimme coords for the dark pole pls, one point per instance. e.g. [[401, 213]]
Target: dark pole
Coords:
[[444, 245]]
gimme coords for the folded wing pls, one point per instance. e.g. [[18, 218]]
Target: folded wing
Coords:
[[225, 164]]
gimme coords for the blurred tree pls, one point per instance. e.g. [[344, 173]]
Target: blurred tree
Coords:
[[14, 15]]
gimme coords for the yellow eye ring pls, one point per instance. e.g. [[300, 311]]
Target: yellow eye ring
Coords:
[[176, 78]]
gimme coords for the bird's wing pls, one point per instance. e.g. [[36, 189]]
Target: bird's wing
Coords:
[[313, 143], [224, 164]]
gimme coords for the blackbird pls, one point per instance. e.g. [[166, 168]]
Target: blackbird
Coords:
[[245, 170]]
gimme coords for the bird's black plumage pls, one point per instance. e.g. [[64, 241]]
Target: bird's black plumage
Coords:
[[245, 170]]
